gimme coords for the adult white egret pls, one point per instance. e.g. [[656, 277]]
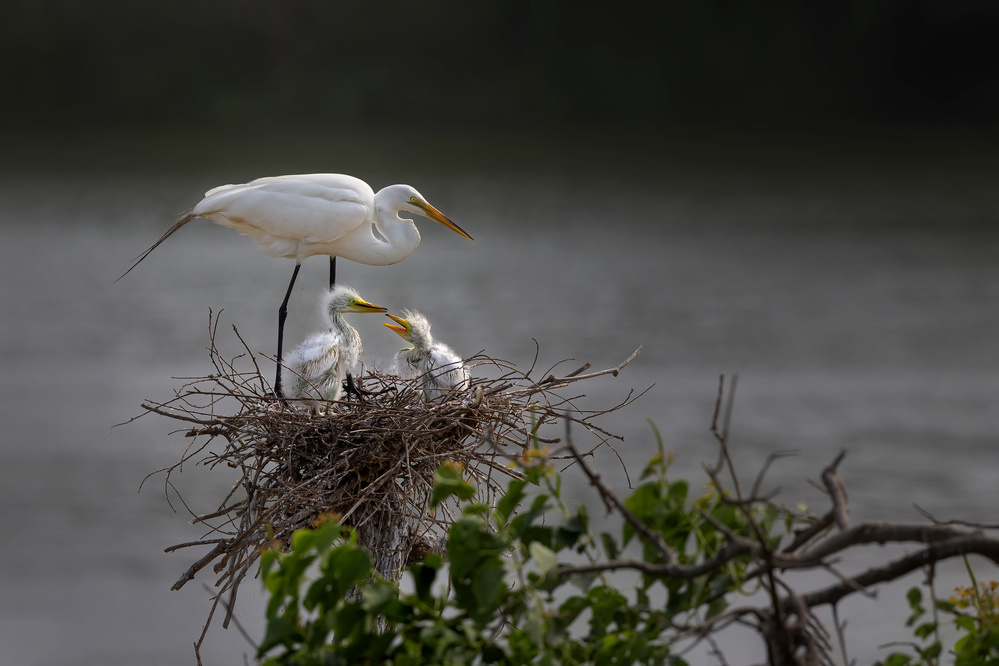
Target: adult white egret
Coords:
[[317, 367], [320, 213], [435, 366]]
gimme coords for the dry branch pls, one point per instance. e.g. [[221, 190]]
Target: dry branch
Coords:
[[792, 632]]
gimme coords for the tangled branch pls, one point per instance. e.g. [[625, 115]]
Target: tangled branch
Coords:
[[793, 634]]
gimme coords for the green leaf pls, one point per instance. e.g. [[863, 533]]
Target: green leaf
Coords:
[[486, 586], [352, 564], [424, 574], [571, 608], [644, 503], [508, 503], [966, 623], [572, 529], [302, 540], [325, 535], [349, 619], [716, 607], [583, 581], [610, 546], [944, 605], [268, 559], [544, 557], [492, 654], [378, 595], [470, 543], [448, 482], [678, 492], [278, 632], [925, 629]]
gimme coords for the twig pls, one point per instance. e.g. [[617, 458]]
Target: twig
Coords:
[[964, 545], [199, 565], [837, 491], [982, 526], [577, 377], [840, 627], [614, 502]]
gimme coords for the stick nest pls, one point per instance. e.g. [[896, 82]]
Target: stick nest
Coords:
[[371, 463]]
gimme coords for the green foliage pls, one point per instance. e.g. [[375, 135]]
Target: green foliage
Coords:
[[504, 597], [524, 582], [974, 611]]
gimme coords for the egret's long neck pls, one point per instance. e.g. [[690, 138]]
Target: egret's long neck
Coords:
[[339, 325], [362, 246]]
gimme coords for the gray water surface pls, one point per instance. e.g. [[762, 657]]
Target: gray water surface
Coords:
[[858, 303]]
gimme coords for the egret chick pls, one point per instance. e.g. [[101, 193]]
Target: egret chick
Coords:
[[435, 366], [316, 368]]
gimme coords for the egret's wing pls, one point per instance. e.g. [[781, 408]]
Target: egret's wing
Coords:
[[318, 208]]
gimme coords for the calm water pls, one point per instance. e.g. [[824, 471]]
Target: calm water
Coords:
[[857, 301]]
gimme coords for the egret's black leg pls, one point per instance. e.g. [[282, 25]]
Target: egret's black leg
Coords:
[[332, 271], [282, 315], [352, 388]]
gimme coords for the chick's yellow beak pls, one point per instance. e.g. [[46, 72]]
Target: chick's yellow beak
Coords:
[[361, 305], [402, 330], [438, 216]]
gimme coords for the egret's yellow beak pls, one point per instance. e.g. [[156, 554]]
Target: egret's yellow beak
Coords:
[[435, 214], [361, 305], [402, 330]]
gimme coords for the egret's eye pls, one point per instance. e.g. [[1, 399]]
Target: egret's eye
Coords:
[[414, 201]]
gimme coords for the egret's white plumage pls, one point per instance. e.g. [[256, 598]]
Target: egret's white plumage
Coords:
[[316, 368], [436, 368], [319, 213]]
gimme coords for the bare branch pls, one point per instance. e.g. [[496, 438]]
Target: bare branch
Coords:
[[837, 491], [188, 575], [614, 502], [965, 545], [982, 526], [803, 537], [880, 533], [575, 376], [755, 492]]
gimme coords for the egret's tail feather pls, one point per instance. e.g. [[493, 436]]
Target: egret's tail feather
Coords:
[[177, 225]]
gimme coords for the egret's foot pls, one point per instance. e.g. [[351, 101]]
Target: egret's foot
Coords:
[[272, 397], [351, 388]]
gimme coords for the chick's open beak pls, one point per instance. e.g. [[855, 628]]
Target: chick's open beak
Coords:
[[401, 330]]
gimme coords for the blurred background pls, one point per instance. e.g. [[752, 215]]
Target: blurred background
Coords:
[[800, 193]]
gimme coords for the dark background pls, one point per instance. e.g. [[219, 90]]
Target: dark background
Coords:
[[234, 64]]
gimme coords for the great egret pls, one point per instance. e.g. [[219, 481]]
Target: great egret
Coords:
[[435, 366], [320, 213], [317, 367]]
